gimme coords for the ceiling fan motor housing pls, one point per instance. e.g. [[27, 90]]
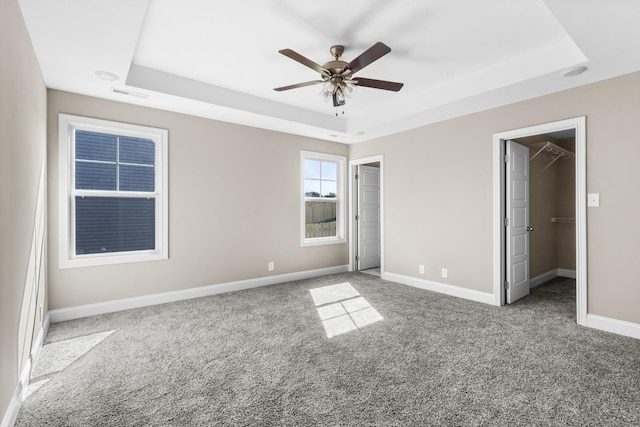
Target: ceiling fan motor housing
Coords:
[[335, 67]]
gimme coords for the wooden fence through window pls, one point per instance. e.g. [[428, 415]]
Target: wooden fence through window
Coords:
[[320, 229], [320, 219]]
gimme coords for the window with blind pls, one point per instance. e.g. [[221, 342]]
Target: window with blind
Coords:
[[323, 205], [114, 183]]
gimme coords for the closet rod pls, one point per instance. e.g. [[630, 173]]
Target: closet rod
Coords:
[[558, 151]]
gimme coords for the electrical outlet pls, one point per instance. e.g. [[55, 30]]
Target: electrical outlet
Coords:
[[421, 269], [271, 266], [445, 273]]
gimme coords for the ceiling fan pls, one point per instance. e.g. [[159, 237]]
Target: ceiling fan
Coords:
[[338, 76]]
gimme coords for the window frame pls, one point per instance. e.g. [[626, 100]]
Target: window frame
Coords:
[[67, 125], [339, 200]]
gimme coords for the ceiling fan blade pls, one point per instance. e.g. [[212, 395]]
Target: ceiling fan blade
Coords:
[[297, 85], [378, 84], [304, 61], [374, 53]]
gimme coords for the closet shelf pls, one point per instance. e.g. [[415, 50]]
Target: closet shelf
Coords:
[[556, 150], [562, 219]]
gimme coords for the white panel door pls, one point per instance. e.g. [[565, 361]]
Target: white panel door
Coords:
[[517, 227], [368, 222]]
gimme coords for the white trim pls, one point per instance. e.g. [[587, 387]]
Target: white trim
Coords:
[[552, 274], [77, 312], [35, 354], [499, 208], [620, 327], [570, 274], [340, 199], [66, 182], [25, 375], [543, 278], [11, 413], [352, 167], [442, 288], [581, 220], [579, 125]]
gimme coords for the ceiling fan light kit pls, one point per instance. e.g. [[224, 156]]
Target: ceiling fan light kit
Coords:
[[338, 80]]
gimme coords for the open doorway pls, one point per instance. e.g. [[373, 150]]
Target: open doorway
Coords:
[[540, 210], [550, 225], [365, 219]]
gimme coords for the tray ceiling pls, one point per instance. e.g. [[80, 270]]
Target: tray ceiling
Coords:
[[220, 59]]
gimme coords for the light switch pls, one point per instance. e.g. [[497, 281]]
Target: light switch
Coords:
[[593, 200]]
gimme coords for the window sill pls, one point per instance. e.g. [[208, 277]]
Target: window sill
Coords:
[[111, 259], [320, 241]]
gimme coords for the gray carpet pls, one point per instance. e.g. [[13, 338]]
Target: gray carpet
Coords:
[[261, 357]]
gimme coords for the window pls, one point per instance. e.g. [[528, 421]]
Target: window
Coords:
[[322, 198], [113, 201]]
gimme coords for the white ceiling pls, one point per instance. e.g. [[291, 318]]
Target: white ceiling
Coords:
[[219, 59]]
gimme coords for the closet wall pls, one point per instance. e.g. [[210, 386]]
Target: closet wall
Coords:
[[566, 207], [552, 195]]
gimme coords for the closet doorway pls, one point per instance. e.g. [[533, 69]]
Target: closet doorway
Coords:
[[540, 205], [365, 219], [552, 207]]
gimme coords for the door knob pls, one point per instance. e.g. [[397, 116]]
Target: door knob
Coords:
[[529, 228]]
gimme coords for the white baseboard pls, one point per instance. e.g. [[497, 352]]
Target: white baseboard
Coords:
[[594, 321], [552, 274], [35, 354], [11, 414], [543, 278], [615, 326], [456, 291], [563, 272], [70, 313]]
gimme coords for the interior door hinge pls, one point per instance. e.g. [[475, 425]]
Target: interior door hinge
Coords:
[[506, 158], [357, 258], [506, 222], [357, 217], [506, 284], [357, 176]]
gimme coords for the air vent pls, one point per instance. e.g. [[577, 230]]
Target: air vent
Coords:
[[130, 93]]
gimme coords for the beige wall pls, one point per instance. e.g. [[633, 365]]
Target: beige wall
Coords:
[[543, 190], [234, 206], [22, 153], [566, 207], [439, 192]]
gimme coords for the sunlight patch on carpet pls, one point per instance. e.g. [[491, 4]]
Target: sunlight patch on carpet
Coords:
[[34, 386], [333, 293], [57, 356], [342, 309]]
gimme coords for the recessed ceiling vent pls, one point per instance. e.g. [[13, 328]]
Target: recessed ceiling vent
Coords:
[[130, 93]]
